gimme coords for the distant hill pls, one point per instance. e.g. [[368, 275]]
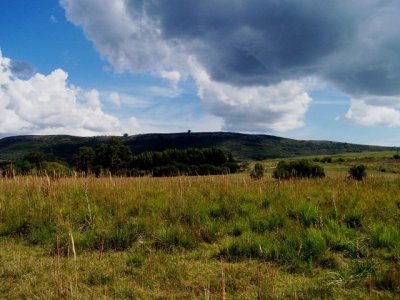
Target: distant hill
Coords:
[[242, 146]]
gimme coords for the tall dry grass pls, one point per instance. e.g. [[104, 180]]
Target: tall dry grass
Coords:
[[168, 236]]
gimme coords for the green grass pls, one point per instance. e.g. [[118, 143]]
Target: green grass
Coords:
[[170, 238]]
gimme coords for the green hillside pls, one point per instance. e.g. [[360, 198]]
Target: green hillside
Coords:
[[243, 146]]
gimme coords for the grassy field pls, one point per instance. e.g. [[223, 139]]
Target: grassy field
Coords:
[[204, 237]]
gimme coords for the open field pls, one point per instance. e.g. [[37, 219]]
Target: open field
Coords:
[[174, 238]]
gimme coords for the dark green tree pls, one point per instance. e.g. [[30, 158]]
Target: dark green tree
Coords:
[[35, 158], [114, 156], [84, 159]]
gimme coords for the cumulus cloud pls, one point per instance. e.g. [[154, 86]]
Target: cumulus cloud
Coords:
[[93, 99], [278, 107], [48, 104], [254, 55], [362, 113], [115, 98], [21, 69]]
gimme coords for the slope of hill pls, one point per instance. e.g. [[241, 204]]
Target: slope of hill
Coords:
[[242, 146]]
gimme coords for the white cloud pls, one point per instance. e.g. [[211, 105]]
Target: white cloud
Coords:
[[131, 41], [133, 123], [360, 112], [277, 107], [173, 76], [357, 52], [92, 98], [115, 98], [48, 104]]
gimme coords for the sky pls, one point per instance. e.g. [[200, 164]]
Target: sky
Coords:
[[304, 69]]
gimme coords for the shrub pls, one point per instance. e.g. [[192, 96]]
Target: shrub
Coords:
[[258, 171], [166, 171], [232, 166], [326, 159], [358, 172], [298, 169], [56, 169], [207, 169]]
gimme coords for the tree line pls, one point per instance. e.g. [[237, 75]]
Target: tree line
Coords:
[[115, 158]]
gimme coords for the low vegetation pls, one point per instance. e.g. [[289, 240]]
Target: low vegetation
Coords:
[[358, 172], [298, 169], [257, 172], [176, 238]]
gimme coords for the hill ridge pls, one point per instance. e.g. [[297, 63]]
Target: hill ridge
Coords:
[[243, 146]]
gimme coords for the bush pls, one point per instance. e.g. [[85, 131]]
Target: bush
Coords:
[[166, 171], [233, 167], [56, 169], [298, 169], [358, 172], [258, 171], [326, 160]]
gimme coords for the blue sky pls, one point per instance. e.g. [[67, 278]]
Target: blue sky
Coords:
[[302, 70]]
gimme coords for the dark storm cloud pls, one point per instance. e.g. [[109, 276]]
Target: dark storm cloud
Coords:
[[245, 42], [254, 61]]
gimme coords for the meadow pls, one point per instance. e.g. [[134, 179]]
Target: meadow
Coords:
[[210, 237]]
